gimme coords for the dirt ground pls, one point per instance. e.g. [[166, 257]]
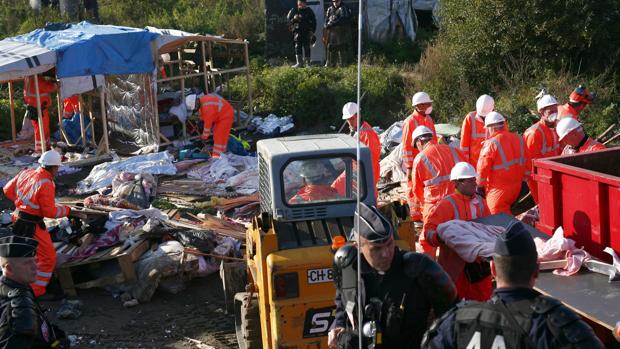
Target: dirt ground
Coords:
[[167, 321]]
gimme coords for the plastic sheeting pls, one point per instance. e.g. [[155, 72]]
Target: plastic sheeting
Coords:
[[272, 125], [86, 49], [102, 175], [131, 113], [18, 60], [229, 170], [386, 18]]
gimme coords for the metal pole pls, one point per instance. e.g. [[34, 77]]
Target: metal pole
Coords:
[[104, 121], [249, 79], [359, 165], [82, 130], [12, 106], [204, 66], [63, 133], [39, 115]]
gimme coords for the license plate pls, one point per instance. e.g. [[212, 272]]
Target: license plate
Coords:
[[316, 276]]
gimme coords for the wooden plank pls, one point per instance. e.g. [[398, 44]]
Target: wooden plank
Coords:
[[550, 265], [95, 160], [127, 268], [138, 250], [66, 281]]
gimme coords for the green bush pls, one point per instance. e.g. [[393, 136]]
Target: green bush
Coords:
[[5, 117], [316, 95], [482, 37]]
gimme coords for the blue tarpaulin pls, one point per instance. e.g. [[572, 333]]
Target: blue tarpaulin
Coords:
[[88, 49]]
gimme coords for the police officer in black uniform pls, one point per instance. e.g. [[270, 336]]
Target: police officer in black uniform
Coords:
[[23, 324], [337, 33], [400, 289], [302, 23], [517, 316]]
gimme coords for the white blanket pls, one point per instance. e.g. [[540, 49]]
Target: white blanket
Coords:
[[469, 240]]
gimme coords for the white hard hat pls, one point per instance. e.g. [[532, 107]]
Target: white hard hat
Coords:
[[565, 126], [349, 110], [50, 158], [493, 118], [546, 101], [462, 170], [420, 131], [484, 105], [419, 98]]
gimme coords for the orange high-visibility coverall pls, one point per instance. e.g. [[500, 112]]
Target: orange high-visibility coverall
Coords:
[[588, 146], [473, 134], [567, 111], [30, 98], [431, 178], [466, 208], [502, 167], [33, 192], [309, 193], [541, 141], [369, 137], [217, 115], [409, 153], [71, 105]]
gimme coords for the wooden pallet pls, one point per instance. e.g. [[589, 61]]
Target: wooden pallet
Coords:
[[111, 266]]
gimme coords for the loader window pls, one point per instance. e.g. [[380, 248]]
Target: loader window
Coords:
[[321, 180]]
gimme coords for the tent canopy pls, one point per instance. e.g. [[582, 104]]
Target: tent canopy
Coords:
[[82, 49]]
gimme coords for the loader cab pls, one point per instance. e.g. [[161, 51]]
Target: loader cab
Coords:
[[308, 190]]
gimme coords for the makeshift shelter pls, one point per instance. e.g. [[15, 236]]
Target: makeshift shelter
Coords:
[[119, 63]]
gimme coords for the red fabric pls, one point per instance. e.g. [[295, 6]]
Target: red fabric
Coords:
[[38, 144], [465, 208], [310, 193], [369, 137], [589, 145], [473, 135], [71, 105], [567, 111], [502, 178], [33, 192], [217, 115], [541, 141], [479, 291]]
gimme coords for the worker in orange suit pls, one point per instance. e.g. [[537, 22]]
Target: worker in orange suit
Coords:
[[578, 100], [368, 136], [502, 166], [33, 192], [217, 115], [431, 173], [423, 106], [541, 140], [46, 88], [473, 132], [464, 204], [574, 139], [316, 186], [71, 105]]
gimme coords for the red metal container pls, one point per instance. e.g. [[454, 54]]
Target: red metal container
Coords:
[[581, 193]]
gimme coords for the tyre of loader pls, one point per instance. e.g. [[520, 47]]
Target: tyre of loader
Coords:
[[247, 321]]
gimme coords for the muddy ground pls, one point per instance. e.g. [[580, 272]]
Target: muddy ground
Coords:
[[167, 321]]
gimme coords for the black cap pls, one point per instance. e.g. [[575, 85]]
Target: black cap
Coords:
[[515, 241], [374, 227], [17, 246]]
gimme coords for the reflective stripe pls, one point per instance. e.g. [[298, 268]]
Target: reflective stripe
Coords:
[[537, 128], [219, 103], [505, 163], [436, 180], [477, 208], [25, 198], [44, 274], [455, 155], [465, 149], [454, 206], [428, 165], [474, 133], [41, 283]]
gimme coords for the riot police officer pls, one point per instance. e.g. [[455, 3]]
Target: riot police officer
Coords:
[[399, 289], [337, 33], [23, 324], [517, 316], [302, 23]]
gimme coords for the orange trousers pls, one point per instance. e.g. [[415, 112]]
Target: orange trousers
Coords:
[[480, 291], [38, 145], [46, 261], [499, 199]]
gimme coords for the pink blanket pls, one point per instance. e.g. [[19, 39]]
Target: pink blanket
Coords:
[[559, 247]]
